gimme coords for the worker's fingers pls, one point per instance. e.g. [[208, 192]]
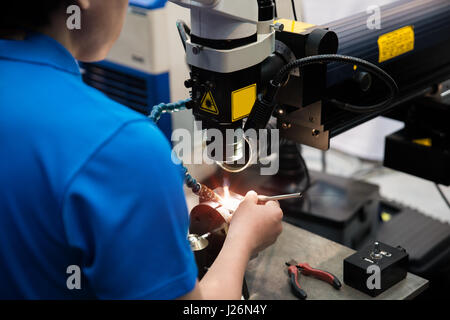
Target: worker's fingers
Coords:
[[251, 197], [273, 204]]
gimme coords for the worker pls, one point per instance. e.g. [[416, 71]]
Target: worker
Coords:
[[88, 184]]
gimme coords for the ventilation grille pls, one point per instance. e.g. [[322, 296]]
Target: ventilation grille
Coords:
[[124, 88]]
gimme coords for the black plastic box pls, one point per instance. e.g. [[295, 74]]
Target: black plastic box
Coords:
[[393, 267], [428, 162]]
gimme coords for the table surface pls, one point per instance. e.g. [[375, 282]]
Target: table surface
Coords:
[[267, 277]]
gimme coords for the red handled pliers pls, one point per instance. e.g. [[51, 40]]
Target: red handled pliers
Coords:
[[295, 269]]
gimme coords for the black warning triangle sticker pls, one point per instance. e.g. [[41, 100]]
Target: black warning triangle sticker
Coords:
[[208, 104]]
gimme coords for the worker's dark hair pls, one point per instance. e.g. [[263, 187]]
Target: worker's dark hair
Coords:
[[26, 15]]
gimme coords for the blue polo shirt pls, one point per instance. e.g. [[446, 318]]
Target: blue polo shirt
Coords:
[[84, 183]]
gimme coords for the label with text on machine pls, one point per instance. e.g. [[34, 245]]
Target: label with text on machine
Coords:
[[396, 43]]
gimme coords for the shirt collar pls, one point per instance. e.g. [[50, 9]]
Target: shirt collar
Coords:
[[39, 49]]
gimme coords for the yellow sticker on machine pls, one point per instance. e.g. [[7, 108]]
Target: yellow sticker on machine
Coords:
[[242, 102], [294, 26], [208, 104], [396, 43]]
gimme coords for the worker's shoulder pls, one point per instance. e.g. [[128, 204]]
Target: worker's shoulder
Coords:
[[128, 129], [61, 94], [57, 106], [113, 123], [137, 129]]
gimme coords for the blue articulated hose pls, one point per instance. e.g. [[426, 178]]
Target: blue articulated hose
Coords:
[[205, 193]]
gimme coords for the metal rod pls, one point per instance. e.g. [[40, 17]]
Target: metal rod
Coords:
[[206, 235], [280, 197]]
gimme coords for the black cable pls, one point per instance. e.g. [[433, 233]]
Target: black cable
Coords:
[[305, 169], [293, 10], [443, 195], [326, 58]]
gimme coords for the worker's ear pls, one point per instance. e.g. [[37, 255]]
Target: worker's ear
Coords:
[[84, 4]]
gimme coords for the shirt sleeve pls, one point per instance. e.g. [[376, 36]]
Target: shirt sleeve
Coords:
[[126, 212]]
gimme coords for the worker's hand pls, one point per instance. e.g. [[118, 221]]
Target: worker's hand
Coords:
[[256, 226]]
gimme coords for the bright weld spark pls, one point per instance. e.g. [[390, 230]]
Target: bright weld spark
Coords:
[[228, 201]]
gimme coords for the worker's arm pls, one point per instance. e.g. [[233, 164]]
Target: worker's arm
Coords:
[[224, 279], [253, 228]]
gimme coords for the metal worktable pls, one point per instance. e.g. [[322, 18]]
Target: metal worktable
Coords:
[[267, 277]]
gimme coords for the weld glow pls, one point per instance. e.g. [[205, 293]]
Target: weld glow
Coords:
[[229, 202]]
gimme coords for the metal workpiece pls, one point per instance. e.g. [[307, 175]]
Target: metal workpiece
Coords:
[[197, 242], [210, 219]]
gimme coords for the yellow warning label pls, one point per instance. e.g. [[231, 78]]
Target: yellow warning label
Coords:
[[396, 43], [208, 104], [242, 102], [294, 26]]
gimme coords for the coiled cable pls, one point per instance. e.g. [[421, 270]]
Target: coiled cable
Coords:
[[326, 58]]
